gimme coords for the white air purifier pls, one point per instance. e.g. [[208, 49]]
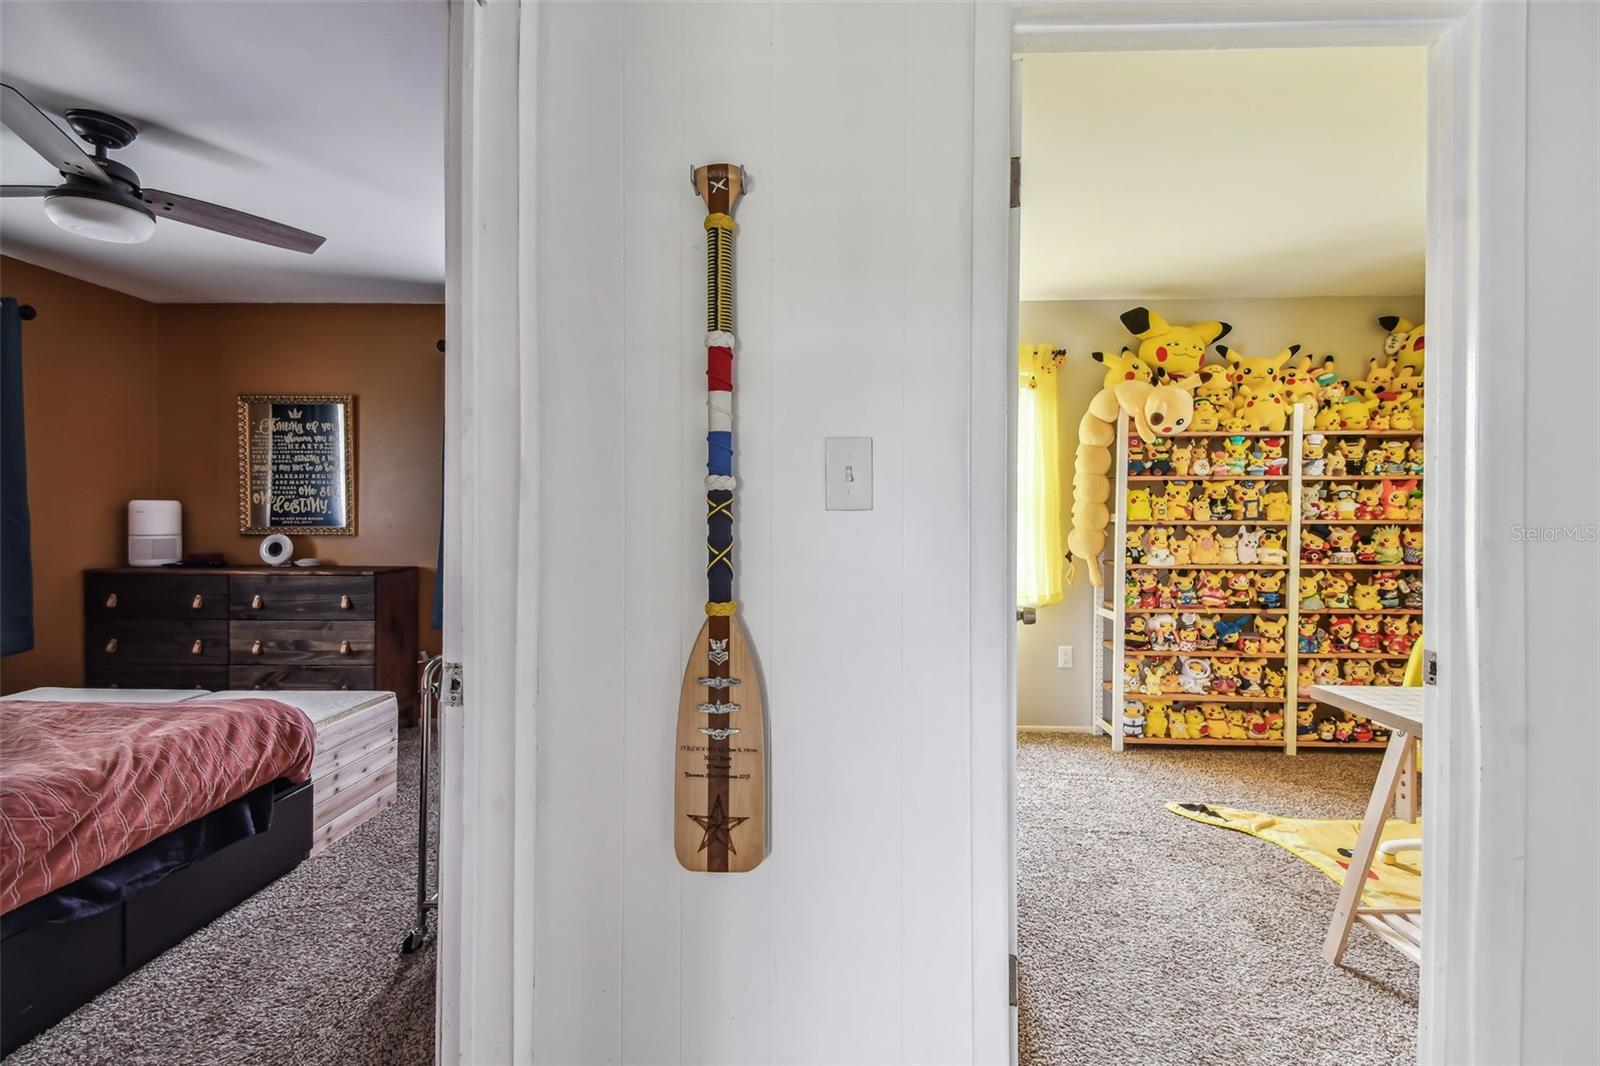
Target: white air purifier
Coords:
[[155, 532]]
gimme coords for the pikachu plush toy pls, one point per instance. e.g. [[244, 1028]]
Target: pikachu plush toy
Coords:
[[1171, 351]]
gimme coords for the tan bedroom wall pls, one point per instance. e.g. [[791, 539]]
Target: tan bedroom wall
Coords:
[[383, 354], [89, 394], [128, 399]]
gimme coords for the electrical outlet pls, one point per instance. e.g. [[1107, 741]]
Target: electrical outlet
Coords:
[[1064, 657]]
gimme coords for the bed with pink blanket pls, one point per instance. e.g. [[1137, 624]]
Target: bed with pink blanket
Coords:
[[82, 784], [149, 820]]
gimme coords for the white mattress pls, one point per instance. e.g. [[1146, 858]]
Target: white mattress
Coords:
[[323, 707], [108, 695]]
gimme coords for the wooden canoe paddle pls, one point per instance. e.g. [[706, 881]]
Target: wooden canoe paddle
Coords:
[[720, 767]]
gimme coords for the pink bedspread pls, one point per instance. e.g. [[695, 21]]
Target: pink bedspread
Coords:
[[83, 784]]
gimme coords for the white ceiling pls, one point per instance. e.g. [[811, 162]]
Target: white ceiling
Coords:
[[1248, 173], [326, 116]]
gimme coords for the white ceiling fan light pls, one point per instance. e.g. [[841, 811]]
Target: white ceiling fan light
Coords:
[[99, 219]]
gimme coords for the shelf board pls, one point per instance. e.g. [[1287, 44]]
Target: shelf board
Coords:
[[1200, 608], [1223, 653], [1359, 566], [1215, 566], [1197, 697], [1352, 655], [1253, 434], [1202, 479], [1263, 523], [1206, 742], [1353, 610], [1304, 478], [1397, 434], [1307, 701], [1356, 522], [1230, 742]]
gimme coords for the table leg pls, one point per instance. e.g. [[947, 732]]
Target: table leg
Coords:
[[1344, 915], [1405, 795]]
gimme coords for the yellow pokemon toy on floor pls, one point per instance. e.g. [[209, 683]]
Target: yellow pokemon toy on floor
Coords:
[[1157, 412], [1171, 351], [1124, 367]]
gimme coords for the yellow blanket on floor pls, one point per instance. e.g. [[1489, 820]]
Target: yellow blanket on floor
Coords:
[[1326, 844]]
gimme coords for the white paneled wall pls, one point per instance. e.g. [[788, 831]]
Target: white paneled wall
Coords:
[[854, 941]]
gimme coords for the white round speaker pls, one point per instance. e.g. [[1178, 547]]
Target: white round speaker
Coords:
[[276, 550]]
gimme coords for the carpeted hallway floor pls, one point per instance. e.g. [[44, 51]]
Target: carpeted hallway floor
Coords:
[[306, 971], [1147, 938]]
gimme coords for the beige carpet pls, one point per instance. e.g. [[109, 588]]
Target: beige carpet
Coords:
[[1146, 938]]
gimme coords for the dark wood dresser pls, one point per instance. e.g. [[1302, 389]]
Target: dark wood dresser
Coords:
[[253, 627]]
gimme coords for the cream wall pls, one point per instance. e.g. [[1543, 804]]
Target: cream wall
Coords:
[[875, 931], [1561, 949], [1345, 326]]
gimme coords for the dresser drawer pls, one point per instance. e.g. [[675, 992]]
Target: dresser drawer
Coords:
[[173, 643], [314, 643], [158, 594], [359, 678], [156, 675], [291, 596]]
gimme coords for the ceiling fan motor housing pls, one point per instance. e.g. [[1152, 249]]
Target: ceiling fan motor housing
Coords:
[[100, 129], [107, 133]]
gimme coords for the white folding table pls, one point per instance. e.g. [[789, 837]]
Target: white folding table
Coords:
[[1399, 710]]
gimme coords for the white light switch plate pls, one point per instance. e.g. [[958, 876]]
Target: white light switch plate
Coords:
[[849, 473]]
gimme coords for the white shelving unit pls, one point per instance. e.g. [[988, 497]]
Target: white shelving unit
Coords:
[[1111, 615]]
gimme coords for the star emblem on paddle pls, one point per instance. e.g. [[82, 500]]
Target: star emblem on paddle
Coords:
[[717, 826]]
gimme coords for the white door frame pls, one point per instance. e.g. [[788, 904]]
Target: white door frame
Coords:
[[1476, 799], [486, 836]]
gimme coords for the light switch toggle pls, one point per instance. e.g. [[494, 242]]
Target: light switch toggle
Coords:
[[848, 475]]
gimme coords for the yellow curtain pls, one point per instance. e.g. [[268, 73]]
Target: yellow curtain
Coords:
[[1040, 562]]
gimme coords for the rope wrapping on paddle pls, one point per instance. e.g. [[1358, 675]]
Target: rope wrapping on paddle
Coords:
[[719, 415]]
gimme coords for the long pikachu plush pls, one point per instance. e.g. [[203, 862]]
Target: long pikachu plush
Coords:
[[1156, 411], [1172, 354]]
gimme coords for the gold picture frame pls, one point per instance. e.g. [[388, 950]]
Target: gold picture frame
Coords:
[[316, 436]]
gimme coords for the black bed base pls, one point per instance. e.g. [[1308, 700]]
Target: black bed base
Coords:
[[49, 971]]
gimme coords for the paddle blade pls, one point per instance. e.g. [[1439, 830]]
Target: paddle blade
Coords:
[[720, 765]]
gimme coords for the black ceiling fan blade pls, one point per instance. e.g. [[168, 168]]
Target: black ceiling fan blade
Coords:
[[9, 191], [58, 147], [227, 220]]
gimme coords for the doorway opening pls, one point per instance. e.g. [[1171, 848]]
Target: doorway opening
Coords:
[[1251, 226]]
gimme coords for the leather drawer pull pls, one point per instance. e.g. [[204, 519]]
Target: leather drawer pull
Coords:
[[198, 602], [111, 646], [344, 647], [255, 601], [344, 603], [194, 649], [111, 600], [255, 647]]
